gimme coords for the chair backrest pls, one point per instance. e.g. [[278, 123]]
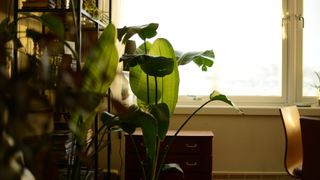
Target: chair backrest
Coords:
[[310, 129], [293, 149]]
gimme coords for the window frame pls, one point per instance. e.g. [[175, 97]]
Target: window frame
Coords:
[[292, 65], [286, 74]]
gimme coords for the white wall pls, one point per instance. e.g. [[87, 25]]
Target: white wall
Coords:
[[242, 143]]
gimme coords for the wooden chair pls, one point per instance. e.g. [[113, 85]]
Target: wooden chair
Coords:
[[293, 149], [310, 130]]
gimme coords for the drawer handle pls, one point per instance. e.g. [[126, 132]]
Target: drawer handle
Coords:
[[191, 164], [191, 145]]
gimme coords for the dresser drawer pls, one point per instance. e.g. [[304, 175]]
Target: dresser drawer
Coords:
[[189, 163], [192, 150], [184, 143], [191, 145]]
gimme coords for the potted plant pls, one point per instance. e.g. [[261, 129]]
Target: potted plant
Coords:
[[154, 79], [79, 91]]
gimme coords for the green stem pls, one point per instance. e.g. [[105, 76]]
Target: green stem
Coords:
[[155, 169], [155, 161], [77, 164], [188, 119], [148, 93], [138, 156], [145, 47], [156, 89], [171, 140]]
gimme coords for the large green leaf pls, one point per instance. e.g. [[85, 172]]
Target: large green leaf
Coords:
[[202, 59], [217, 96], [130, 120], [162, 115], [144, 31], [148, 31], [101, 65], [138, 84], [172, 167], [152, 65], [134, 118], [168, 85], [156, 66], [149, 131], [98, 73], [144, 48], [153, 121]]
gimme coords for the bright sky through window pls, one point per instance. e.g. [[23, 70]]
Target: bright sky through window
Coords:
[[247, 41], [311, 44]]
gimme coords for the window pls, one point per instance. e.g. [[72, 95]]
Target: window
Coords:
[[311, 44], [257, 43]]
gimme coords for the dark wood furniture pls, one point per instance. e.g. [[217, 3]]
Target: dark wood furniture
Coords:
[[310, 130], [192, 150]]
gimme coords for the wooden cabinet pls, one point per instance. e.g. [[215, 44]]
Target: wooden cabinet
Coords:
[[192, 150]]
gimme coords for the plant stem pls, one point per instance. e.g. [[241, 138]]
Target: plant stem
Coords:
[[156, 89], [148, 94], [171, 140], [76, 170], [155, 160], [110, 10], [138, 156], [188, 119], [145, 47]]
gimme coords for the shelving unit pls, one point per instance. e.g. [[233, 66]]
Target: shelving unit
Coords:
[[75, 31], [79, 14]]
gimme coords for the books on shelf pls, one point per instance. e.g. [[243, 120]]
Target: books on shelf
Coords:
[[38, 4]]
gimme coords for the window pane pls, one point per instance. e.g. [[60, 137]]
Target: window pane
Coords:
[[311, 44], [245, 36]]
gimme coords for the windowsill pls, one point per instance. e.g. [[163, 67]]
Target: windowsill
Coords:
[[247, 110]]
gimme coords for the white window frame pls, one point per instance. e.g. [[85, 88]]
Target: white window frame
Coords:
[[292, 74], [299, 54], [287, 75]]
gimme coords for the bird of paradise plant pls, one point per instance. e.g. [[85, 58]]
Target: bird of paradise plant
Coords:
[[154, 79]]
